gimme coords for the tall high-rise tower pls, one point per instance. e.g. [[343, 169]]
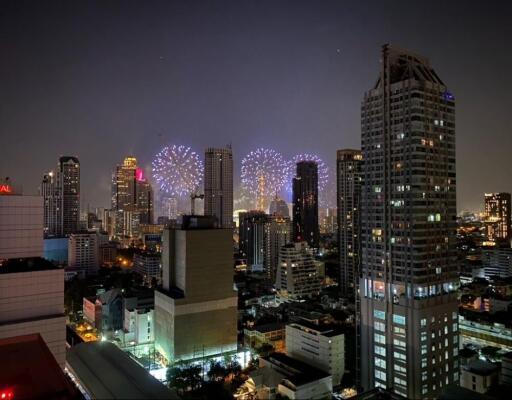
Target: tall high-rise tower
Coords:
[[61, 194], [132, 197], [497, 217], [348, 171], [305, 203], [218, 185], [196, 307], [408, 312]]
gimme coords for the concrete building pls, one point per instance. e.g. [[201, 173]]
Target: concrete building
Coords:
[[497, 262], [290, 378], [279, 207], [21, 225], [506, 369], [497, 217], [218, 185], [61, 193], [479, 376], [32, 301], [297, 273], [409, 270], [121, 377], [139, 325], [305, 204], [268, 334], [320, 346], [83, 253], [348, 175], [277, 233], [251, 238], [132, 198], [148, 265], [196, 308]]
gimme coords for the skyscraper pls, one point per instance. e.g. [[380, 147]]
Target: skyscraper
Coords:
[[408, 313], [279, 207], [497, 217], [251, 237], [305, 203], [196, 308], [61, 194], [348, 171], [132, 197], [218, 185], [277, 233]]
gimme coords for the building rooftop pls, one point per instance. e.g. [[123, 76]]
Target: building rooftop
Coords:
[[378, 394], [29, 370], [480, 367], [34, 264], [328, 330], [275, 326], [297, 372], [456, 392], [106, 371]]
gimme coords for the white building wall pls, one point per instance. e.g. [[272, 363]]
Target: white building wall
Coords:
[[33, 302], [21, 226], [321, 351]]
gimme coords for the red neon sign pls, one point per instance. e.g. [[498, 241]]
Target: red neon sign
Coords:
[[5, 189], [7, 394]]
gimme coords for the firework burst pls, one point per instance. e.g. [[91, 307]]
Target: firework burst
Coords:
[[323, 169], [264, 173], [177, 170]]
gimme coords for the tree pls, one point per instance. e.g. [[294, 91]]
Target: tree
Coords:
[[216, 372], [265, 349]]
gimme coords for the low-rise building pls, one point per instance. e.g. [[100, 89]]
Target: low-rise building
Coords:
[[148, 265], [32, 301], [139, 325], [290, 378], [297, 273], [270, 334], [479, 376], [318, 345], [83, 253]]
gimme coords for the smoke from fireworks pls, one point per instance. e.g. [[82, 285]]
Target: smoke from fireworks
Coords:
[[264, 174], [177, 170]]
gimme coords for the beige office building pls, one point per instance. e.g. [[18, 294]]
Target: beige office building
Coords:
[[196, 308]]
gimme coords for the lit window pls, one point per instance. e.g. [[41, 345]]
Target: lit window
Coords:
[[398, 319], [379, 314]]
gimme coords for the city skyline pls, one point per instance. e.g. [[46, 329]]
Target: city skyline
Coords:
[[133, 96]]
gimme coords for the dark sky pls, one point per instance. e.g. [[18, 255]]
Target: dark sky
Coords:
[[104, 79]]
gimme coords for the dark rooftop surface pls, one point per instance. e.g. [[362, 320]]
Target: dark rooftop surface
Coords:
[[456, 392], [267, 327], [14, 265], [328, 330], [297, 372], [30, 371], [482, 367], [107, 372]]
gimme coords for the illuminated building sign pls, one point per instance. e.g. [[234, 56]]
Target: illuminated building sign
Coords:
[[5, 189], [139, 174]]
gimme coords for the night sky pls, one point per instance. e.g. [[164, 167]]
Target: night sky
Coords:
[[102, 80]]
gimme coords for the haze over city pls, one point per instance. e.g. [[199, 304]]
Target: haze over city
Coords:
[[101, 81]]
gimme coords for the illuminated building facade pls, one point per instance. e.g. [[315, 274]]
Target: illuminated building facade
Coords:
[[251, 237], [305, 203], [218, 185], [408, 304], [196, 307], [348, 168], [279, 207], [497, 217], [277, 233], [132, 198], [297, 273], [61, 193], [84, 253]]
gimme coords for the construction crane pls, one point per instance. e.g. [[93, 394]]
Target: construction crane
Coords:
[[193, 197]]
